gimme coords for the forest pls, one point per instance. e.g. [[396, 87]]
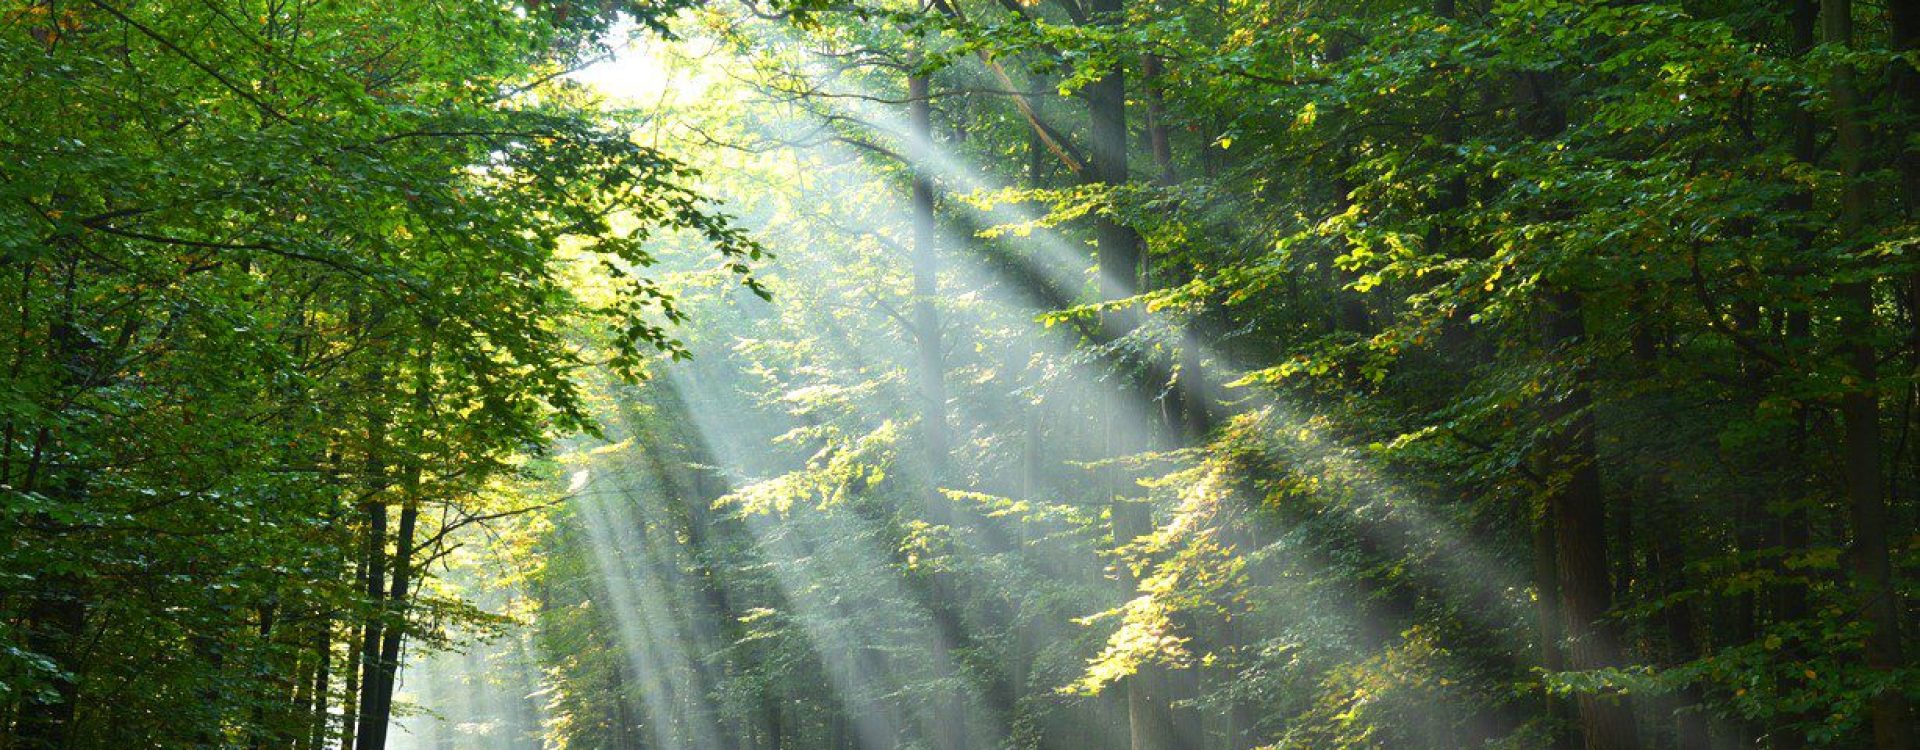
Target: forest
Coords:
[[959, 374]]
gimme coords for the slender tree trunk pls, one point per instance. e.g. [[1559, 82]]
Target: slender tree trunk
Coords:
[[300, 704], [1152, 72], [1547, 621], [1860, 406], [926, 271], [1904, 26], [1665, 572], [1793, 527], [1191, 401], [1624, 565], [356, 661], [1118, 244], [58, 602], [376, 712], [1149, 717], [55, 622], [373, 560], [1348, 312], [625, 726], [950, 725], [267, 614], [57, 611], [365, 736], [1575, 499], [323, 644], [1578, 511]]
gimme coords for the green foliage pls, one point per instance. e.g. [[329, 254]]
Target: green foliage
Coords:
[[1501, 373], [273, 268], [1411, 256]]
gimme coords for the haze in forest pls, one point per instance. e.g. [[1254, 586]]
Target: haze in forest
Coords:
[[959, 375]]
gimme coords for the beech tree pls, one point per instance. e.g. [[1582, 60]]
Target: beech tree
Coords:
[[1162, 375]]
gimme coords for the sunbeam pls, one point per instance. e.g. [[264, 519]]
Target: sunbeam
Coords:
[[1202, 572], [959, 375]]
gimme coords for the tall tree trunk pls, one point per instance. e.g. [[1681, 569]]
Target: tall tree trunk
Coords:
[[1904, 26], [950, 724], [1577, 508], [1860, 405], [365, 736], [376, 711], [1575, 499], [625, 726], [57, 611], [926, 271], [323, 644], [1118, 245], [1191, 401], [1547, 620], [356, 661], [1793, 528], [55, 623], [1150, 717], [267, 614], [1152, 74], [1666, 558], [299, 706], [1347, 312], [373, 561], [376, 717]]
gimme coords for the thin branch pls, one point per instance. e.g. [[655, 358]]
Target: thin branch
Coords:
[[191, 59]]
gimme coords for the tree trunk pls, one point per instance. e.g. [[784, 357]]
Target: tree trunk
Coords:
[[1158, 139], [950, 720], [1903, 18], [379, 713], [373, 560], [356, 662], [365, 736], [323, 643], [1577, 508], [376, 711], [55, 622], [266, 614], [1150, 719], [926, 270], [1860, 405], [57, 612], [1547, 623], [1793, 528], [1575, 499]]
